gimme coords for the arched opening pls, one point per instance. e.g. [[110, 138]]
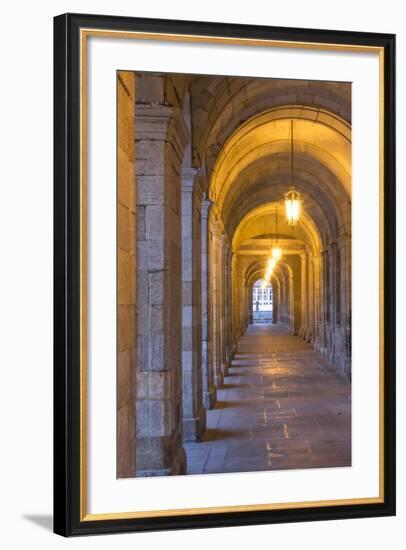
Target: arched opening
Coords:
[[262, 302]]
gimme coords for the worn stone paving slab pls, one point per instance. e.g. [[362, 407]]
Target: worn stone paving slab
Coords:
[[281, 407]]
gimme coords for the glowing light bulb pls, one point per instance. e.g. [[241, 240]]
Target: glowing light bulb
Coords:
[[293, 202]]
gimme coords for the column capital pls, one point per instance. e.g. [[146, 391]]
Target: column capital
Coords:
[[193, 180], [217, 228], [205, 210], [304, 255], [200, 183], [161, 123], [188, 179]]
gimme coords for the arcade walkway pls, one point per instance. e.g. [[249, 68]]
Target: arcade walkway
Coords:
[[282, 407]]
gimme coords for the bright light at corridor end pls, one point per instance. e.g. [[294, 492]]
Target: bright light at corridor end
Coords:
[[293, 203]]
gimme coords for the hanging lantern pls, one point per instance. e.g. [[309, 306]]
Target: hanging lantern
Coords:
[[293, 199], [276, 253], [293, 202]]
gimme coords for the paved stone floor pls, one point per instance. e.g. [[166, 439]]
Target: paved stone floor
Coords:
[[282, 407]]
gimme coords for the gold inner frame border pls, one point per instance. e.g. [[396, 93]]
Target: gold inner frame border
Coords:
[[85, 33]]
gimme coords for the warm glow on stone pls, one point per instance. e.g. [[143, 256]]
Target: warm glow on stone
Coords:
[[271, 263], [269, 269]]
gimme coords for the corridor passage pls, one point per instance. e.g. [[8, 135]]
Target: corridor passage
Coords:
[[282, 407]]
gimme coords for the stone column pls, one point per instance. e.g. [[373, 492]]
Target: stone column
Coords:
[[161, 136], [275, 302], [331, 304], [250, 316], [208, 387], [126, 262], [334, 327], [193, 411], [292, 296], [215, 300], [228, 300], [312, 314], [241, 304], [323, 303], [346, 285], [224, 304], [296, 292], [246, 306], [234, 303], [304, 290], [283, 303], [344, 290]]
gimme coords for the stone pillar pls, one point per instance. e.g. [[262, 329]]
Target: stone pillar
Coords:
[[161, 136], [330, 305], [229, 341], [246, 306], [311, 303], [334, 332], [304, 291], [215, 300], [234, 303], [193, 411], [224, 304], [126, 262], [292, 295], [318, 313], [344, 294], [347, 310], [323, 303], [275, 302], [208, 387], [284, 306]]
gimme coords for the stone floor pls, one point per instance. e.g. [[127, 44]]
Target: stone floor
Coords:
[[282, 407]]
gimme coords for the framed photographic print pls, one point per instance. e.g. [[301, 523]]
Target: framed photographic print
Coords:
[[224, 274]]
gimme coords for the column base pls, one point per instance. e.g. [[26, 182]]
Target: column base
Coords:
[[210, 399], [193, 428], [224, 368], [159, 456], [343, 364], [219, 380]]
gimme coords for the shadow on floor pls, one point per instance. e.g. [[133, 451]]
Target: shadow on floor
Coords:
[[42, 520]]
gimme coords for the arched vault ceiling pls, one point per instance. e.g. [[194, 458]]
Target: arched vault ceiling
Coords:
[[221, 104], [260, 222], [265, 136], [267, 179], [321, 213], [255, 271]]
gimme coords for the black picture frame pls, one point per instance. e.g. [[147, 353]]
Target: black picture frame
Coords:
[[67, 520]]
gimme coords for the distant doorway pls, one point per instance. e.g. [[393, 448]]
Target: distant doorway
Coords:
[[262, 302]]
